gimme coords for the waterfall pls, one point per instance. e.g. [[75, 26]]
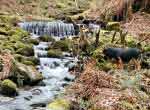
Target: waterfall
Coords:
[[55, 28]]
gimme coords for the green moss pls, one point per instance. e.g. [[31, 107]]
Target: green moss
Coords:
[[28, 62], [147, 48], [54, 53], [113, 26], [3, 31], [33, 41], [18, 57], [26, 51], [46, 38], [9, 87], [62, 44], [34, 60], [126, 105], [20, 33], [59, 104], [12, 20]]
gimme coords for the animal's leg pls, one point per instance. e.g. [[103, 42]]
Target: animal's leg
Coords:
[[137, 64], [119, 63]]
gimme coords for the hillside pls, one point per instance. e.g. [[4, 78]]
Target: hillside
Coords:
[[46, 8]]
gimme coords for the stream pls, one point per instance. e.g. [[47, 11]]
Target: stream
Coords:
[[54, 70]]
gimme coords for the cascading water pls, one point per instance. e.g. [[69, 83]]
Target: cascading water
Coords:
[[54, 70], [55, 28]]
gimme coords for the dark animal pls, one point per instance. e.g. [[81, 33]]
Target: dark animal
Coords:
[[122, 55]]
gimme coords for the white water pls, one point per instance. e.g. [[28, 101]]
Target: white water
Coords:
[[55, 28], [54, 70]]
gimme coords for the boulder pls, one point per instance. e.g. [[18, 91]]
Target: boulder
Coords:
[[54, 53], [59, 104], [9, 88], [28, 74]]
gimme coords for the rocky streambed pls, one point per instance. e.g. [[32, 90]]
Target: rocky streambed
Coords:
[[56, 76]]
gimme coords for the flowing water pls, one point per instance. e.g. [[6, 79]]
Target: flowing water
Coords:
[[55, 28], [54, 70]]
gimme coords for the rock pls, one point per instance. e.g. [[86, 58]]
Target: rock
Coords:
[[9, 88], [62, 44], [28, 74], [54, 53], [59, 104], [46, 38], [26, 50]]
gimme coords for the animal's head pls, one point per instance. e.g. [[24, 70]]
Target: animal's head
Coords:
[[105, 53]]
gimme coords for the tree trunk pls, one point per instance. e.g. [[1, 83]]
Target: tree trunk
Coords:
[[97, 38], [113, 38]]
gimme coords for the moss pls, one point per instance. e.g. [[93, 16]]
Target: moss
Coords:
[[33, 41], [59, 104], [9, 87], [113, 26], [3, 32], [131, 42], [54, 53], [62, 44], [18, 57], [147, 48], [26, 50], [105, 66], [12, 20], [27, 74], [46, 38], [20, 33], [28, 62], [126, 105], [34, 60]]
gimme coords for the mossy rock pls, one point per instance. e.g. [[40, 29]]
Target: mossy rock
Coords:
[[9, 88], [27, 60], [46, 38], [12, 20], [147, 48], [113, 26], [3, 32], [62, 44], [34, 60], [54, 53], [26, 51], [28, 63], [18, 34], [18, 57], [33, 41], [28, 74], [59, 104]]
